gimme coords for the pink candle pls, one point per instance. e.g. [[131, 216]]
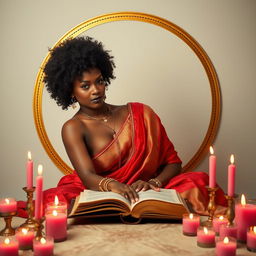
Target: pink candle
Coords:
[[43, 247], [8, 205], [190, 224], [212, 169], [226, 247], [39, 194], [25, 238], [231, 177], [226, 230], [251, 239], [56, 225], [245, 217], [9, 246], [217, 222], [57, 205], [205, 237], [29, 171]]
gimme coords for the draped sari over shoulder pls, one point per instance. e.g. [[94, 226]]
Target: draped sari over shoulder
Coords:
[[138, 151]]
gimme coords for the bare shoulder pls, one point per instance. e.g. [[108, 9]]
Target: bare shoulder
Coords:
[[73, 125]]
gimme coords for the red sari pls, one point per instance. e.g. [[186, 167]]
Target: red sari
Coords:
[[143, 148]]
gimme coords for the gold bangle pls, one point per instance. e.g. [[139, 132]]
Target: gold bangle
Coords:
[[107, 183], [100, 184], [157, 182]]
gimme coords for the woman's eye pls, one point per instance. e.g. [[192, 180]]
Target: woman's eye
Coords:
[[85, 86]]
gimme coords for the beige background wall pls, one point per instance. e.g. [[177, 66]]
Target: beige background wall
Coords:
[[225, 29]]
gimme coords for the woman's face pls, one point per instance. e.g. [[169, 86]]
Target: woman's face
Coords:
[[89, 89]]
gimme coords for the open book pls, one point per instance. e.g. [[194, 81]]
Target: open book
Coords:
[[166, 204]]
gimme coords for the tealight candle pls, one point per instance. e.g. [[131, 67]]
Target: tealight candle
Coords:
[[25, 238], [226, 247], [190, 224], [228, 230], [8, 205], [57, 205], [205, 237], [251, 239], [56, 225], [217, 222], [43, 247], [9, 246], [245, 217]]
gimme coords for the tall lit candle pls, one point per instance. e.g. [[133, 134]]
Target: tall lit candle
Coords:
[[39, 193], [245, 217], [231, 176], [212, 169], [29, 171]]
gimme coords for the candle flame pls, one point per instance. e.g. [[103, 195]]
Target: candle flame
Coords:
[[54, 213], [254, 229], [191, 216], [232, 159], [42, 240], [243, 201], [226, 240], [24, 231], [221, 218], [40, 169], [205, 230], [29, 156], [7, 240], [211, 150], [56, 200], [7, 201]]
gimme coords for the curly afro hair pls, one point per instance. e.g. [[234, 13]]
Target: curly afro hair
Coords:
[[69, 60]]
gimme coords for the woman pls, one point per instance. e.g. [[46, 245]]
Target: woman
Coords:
[[123, 149]]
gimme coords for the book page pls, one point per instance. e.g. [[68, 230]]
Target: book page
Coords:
[[166, 195], [91, 196]]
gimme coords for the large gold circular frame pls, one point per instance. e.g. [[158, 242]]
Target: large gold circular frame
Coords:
[[142, 17]]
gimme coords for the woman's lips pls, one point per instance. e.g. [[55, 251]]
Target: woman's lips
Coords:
[[97, 100]]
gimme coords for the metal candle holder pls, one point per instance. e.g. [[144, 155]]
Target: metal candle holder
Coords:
[[39, 228], [30, 223], [230, 210], [8, 230]]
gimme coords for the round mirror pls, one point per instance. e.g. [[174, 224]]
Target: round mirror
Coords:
[[157, 63]]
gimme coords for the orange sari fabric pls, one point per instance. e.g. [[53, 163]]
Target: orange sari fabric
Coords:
[[139, 150]]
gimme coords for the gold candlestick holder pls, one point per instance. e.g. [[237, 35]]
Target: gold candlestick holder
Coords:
[[230, 213], [39, 228], [211, 206], [30, 223], [8, 230]]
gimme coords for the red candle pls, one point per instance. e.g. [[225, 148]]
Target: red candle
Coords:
[[245, 217], [39, 194], [212, 169], [57, 205], [8, 205], [56, 225], [9, 246], [190, 224], [228, 230], [43, 247], [217, 222], [251, 239], [205, 237], [231, 176], [29, 171], [226, 247], [25, 238]]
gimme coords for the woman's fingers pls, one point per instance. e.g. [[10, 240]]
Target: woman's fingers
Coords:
[[154, 187], [132, 194]]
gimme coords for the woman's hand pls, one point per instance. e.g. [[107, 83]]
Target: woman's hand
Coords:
[[125, 190], [141, 185]]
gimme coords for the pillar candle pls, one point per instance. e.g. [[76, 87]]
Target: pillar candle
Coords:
[[43, 247], [56, 225], [217, 222], [226, 247], [231, 176], [212, 169], [57, 205], [9, 246], [251, 239], [39, 193], [190, 224], [8, 205], [245, 217], [25, 238], [205, 237], [29, 171]]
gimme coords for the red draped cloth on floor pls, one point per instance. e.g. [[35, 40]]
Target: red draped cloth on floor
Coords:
[[144, 148]]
